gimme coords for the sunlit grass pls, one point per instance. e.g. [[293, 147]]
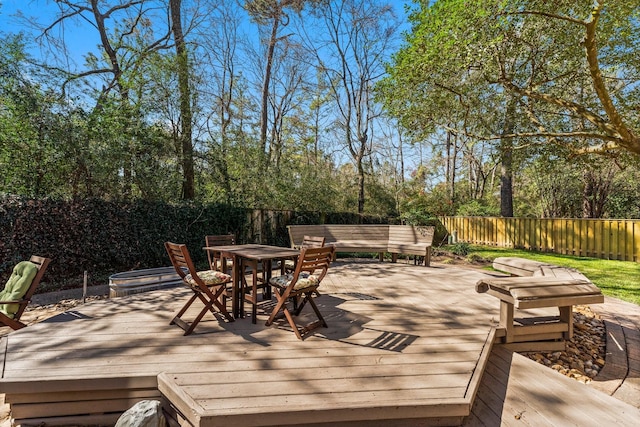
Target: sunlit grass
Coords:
[[619, 279]]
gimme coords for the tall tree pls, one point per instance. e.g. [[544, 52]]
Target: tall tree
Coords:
[[567, 63], [563, 73], [272, 15], [220, 49], [360, 34], [183, 68]]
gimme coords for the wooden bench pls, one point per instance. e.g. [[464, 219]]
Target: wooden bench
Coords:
[[540, 285], [379, 238]]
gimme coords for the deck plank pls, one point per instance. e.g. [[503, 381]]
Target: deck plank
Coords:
[[517, 391]]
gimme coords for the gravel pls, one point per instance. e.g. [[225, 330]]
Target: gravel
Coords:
[[585, 353]]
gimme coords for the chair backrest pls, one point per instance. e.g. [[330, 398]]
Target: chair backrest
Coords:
[[313, 259], [41, 264], [181, 260], [217, 240], [312, 242], [220, 239]]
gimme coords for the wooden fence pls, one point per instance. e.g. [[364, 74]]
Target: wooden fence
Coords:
[[597, 238]]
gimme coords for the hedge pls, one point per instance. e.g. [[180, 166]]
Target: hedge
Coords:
[[105, 237]]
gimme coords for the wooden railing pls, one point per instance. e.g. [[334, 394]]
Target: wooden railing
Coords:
[[598, 238]]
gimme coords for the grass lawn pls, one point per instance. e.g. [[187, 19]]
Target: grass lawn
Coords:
[[619, 279]]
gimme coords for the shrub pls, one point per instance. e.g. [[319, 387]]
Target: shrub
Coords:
[[461, 248]]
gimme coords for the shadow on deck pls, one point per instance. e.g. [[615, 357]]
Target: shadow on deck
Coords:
[[406, 345]]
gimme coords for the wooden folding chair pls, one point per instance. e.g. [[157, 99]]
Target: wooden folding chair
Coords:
[[209, 286], [300, 285], [19, 289], [216, 260], [307, 242]]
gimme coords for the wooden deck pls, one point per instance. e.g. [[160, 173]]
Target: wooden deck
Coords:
[[404, 342], [517, 392], [406, 345]]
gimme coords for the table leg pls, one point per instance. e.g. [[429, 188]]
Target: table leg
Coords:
[[566, 316], [252, 288], [266, 276], [236, 294]]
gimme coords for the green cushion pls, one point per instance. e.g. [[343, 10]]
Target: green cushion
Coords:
[[17, 285]]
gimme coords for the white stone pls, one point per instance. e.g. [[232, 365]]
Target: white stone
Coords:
[[146, 413]]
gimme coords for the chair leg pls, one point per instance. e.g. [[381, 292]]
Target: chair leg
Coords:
[[197, 320], [282, 306], [209, 303], [281, 302], [183, 310], [315, 309], [292, 323], [221, 306], [12, 323]]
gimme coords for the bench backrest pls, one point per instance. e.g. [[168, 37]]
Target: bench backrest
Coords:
[[357, 233], [411, 234], [379, 233]]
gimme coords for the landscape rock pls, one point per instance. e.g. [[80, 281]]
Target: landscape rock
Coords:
[[146, 413]]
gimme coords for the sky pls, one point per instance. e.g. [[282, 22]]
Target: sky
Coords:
[[44, 11]]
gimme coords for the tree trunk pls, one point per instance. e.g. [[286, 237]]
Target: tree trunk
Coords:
[[597, 186], [188, 178], [265, 88], [506, 152], [360, 188]]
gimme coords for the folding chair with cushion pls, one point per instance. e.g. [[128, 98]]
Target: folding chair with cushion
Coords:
[[216, 260], [300, 285], [307, 242], [19, 289], [209, 286]]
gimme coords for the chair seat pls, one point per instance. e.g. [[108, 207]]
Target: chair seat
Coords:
[[305, 280], [209, 277]]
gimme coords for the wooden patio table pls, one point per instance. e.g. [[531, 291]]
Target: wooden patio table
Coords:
[[252, 256]]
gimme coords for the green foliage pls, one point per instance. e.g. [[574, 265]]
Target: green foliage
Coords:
[[475, 258], [624, 200], [478, 208], [107, 237], [463, 60], [460, 248]]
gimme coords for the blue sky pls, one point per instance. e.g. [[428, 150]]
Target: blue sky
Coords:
[[80, 42]]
